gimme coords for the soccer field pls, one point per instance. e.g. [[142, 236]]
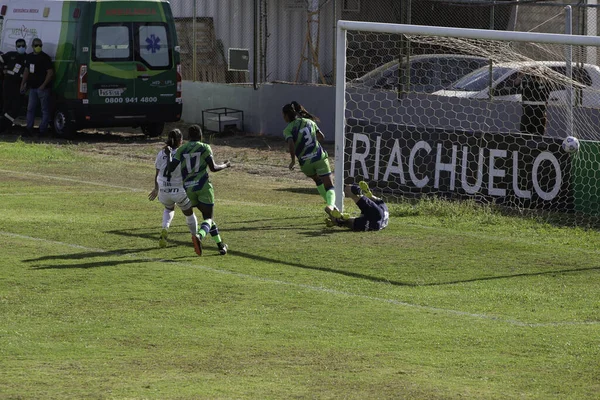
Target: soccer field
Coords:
[[450, 301]]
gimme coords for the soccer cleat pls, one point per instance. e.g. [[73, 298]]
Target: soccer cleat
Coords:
[[197, 241], [162, 242], [365, 189], [336, 214], [222, 248]]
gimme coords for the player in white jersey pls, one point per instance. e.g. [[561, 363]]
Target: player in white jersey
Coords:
[[169, 188]]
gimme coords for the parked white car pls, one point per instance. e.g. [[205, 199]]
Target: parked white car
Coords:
[[428, 72], [476, 85]]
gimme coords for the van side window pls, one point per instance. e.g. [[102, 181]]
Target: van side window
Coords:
[[112, 42], [154, 48]]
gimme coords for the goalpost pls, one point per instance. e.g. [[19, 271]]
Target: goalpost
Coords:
[[404, 128]]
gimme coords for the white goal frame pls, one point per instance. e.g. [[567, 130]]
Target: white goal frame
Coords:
[[341, 45]]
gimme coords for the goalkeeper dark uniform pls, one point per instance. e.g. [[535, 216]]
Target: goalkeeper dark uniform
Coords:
[[374, 212]]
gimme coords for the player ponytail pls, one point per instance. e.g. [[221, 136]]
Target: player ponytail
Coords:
[[173, 140], [289, 112], [302, 112]]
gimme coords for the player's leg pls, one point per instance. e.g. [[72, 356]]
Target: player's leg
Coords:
[[196, 239], [364, 187], [309, 169], [167, 218], [185, 204], [323, 170], [214, 232]]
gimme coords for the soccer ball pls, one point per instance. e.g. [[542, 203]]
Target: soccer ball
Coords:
[[570, 144]]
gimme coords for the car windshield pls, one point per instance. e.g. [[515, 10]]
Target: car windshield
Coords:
[[479, 80], [371, 79]]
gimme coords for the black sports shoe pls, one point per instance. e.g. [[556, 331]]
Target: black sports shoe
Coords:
[[222, 248]]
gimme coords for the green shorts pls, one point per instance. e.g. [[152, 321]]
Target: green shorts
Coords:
[[206, 195], [320, 167]]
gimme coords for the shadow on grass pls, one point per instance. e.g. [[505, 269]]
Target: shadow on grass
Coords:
[[97, 264], [371, 278], [298, 190], [90, 254]]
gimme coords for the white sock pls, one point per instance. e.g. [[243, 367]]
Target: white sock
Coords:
[[192, 223], [167, 218]]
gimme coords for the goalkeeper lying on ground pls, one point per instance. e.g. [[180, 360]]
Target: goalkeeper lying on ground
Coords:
[[374, 213]]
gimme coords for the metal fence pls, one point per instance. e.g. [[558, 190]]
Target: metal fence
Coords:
[[255, 41]]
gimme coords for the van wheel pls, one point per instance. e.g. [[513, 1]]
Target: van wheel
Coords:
[[63, 126], [153, 130]]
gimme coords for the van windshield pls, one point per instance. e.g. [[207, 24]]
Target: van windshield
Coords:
[[479, 80]]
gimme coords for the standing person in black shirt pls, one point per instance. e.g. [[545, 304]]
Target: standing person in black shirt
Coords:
[[38, 77], [534, 90], [13, 65]]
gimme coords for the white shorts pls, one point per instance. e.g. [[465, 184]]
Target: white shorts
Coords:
[[170, 196]]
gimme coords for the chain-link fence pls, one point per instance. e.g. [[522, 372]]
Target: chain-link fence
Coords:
[[256, 41]]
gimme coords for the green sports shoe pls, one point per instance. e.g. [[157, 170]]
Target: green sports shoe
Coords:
[[162, 242], [365, 189], [335, 213]]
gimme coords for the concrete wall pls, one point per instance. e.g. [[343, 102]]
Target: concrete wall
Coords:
[[262, 107]]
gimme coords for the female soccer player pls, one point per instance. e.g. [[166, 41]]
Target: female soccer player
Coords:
[[195, 158], [168, 186], [374, 214], [304, 142]]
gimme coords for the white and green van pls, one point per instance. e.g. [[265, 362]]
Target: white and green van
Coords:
[[116, 61]]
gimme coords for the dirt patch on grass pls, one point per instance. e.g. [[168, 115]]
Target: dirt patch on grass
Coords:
[[255, 154]]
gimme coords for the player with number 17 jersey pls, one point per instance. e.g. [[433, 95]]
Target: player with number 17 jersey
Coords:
[[194, 158]]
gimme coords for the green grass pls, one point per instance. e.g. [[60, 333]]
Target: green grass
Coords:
[[451, 300]]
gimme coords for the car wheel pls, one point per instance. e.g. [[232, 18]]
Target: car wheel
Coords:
[[153, 130], [64, 127]]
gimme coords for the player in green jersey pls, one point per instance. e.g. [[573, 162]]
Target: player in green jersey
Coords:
[[196, 158], [304, 142]]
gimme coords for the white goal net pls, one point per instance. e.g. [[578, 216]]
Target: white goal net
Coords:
[[470, 114]]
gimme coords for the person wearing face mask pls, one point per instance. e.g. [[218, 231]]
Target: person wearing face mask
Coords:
[[13, 65], [38, 77]]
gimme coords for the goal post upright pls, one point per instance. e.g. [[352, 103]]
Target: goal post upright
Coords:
[[340, 119]]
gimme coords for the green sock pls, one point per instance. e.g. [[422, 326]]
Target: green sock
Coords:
[[204, 228], [330, 197], [214, 232], [322, 191]]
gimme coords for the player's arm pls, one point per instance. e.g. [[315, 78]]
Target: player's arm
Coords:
[[154, 191], [292, 152], [217, 167], [320, 136]]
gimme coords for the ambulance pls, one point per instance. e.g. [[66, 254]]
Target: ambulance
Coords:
[[117, 62]]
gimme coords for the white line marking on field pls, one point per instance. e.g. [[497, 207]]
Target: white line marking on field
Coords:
[[308, 287], [62, 192], [62, 178]]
